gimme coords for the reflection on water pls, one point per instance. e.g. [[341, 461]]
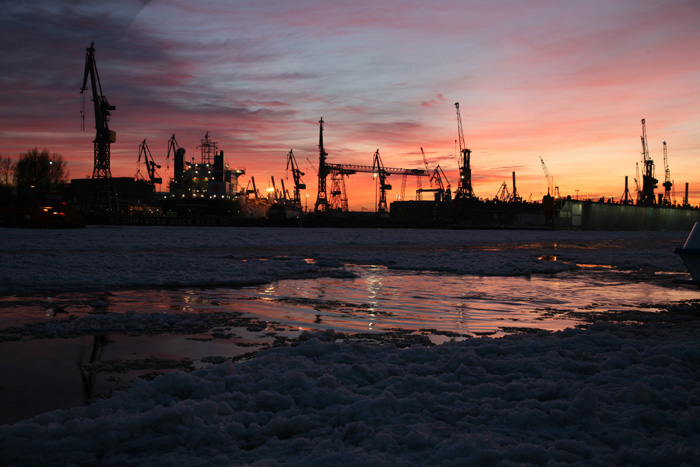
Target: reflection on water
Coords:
[[384, 299], [380, 299], [42, 374]]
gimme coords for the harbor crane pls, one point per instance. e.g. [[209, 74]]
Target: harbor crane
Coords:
[[505, 196], [322, 196], [173, 148], [419, 187], [667, 179], [502, 194], [378, 169], [464, 189], [649, 182], [626, 197], [104, 137], [151, 165], [178, 154], [439, 185], [293, 167], [551, 189], [425, 161], [338, 171]]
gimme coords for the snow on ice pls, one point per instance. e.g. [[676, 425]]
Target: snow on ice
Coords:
[[123, 257], [612, 394]]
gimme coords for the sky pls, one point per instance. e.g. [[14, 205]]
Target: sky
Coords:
[[567, 81]]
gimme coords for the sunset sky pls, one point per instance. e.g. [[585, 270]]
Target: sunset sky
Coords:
[[568, 81]]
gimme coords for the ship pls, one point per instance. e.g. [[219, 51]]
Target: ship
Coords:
[[209, 189]]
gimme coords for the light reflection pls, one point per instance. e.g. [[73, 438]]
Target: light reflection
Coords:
[[379, 299]]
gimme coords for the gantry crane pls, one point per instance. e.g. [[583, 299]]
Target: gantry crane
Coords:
[[338, 171], [667, 179], [296, 176], [464, 189], [151, 165], [649, 183], [103, 135]]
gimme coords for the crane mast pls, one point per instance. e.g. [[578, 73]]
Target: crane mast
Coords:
[[667, 180], [464, 189], [322, 197], [104, 136], [151, 165], [379, 171], [173, 148], [649, 183], [549, 178]]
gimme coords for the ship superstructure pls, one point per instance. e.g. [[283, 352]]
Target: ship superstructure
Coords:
[[207, 187]]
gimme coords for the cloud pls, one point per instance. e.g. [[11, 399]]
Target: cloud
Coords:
[[437, 100]]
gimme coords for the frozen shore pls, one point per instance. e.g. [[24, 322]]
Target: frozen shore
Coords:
[[102, 258], [614, 394]]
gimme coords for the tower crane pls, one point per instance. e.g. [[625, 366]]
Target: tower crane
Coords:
[[649, 183], [151, 165], [103, 135], [667, 180], [464, 189], [296, 176]]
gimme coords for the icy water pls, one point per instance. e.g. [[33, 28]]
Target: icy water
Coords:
[[44, 367]]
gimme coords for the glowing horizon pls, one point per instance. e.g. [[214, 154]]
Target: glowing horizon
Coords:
[[568, 82]]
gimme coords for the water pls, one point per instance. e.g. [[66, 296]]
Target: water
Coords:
[[40, 374]]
